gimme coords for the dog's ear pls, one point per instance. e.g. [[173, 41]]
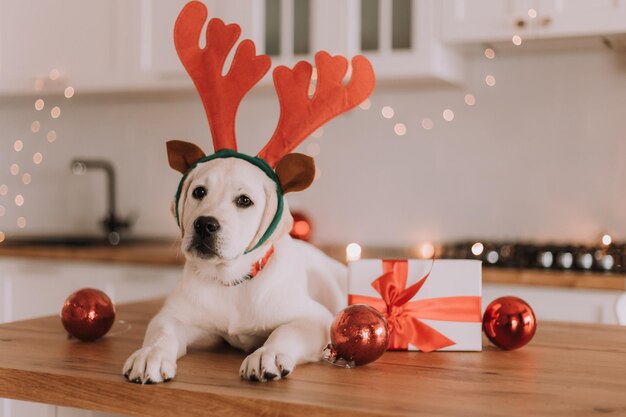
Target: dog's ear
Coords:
[[296, 172], [181, 155]]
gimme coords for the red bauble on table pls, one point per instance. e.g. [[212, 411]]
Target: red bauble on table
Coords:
[[88, 314], [509, 322], [359, 334]]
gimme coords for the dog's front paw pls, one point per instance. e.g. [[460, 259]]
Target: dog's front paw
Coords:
[[266, 365], [149, 365]]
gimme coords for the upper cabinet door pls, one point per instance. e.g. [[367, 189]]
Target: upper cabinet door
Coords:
[[158, 55], [564, 18], [402, 39], [487, 20], [77, 38]]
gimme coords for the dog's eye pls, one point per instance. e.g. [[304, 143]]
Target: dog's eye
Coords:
[[199, 193], [243, 201]]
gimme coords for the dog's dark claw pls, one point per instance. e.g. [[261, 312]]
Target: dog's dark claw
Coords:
[[254, 378], [285, 372], [136, 380], [149, 382], [167, 379], [269, 376]]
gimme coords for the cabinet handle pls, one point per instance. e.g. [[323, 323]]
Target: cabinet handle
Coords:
[[545, 21], [520, 23]]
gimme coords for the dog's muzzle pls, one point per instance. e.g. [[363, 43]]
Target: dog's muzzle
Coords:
[[204, 241]]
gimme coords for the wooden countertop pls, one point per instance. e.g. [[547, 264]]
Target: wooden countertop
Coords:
[[567, 370], [169, 254], [144, 254]]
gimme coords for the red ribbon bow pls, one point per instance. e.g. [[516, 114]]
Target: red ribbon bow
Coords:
[[404, 316]]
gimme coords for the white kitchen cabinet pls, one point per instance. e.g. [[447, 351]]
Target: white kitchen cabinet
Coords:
[[565, 18], [485, 20], [562, 304], [337, 27], [471, 21], [154, 64], [407, 43], [126, 45], [82, 41], [32, 288]]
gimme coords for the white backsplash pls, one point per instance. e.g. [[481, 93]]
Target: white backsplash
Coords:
[[540, 156]]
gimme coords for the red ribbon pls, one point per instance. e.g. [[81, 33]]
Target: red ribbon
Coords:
[[404, 316]]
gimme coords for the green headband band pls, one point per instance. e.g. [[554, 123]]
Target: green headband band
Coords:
[[254, 160]]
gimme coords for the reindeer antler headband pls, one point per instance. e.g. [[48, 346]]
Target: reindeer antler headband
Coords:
[[300, 115]]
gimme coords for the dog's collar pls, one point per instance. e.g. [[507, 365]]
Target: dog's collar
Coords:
[[255, 268], [254, 160]]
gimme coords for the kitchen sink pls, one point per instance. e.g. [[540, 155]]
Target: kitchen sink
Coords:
[[80, 241]]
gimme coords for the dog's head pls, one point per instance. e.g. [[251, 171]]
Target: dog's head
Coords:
[[228, 204]]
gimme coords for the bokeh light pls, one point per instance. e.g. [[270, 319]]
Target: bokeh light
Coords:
[[387, 112], [51, 136], [55, 112], [477, 248], [353, 252], [69, 92], [399, 129]]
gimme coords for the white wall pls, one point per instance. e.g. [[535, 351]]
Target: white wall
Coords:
[[540, 156]]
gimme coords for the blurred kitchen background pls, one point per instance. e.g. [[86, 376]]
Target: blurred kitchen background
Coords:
[[496, 132], [537, 156]]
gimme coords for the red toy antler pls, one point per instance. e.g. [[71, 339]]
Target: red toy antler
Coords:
[[300, 115], [220, 94]]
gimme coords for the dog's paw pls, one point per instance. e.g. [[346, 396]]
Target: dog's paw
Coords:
[[149, 365], [266, 365]]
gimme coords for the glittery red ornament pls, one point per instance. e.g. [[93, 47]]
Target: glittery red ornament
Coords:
[[88, 314], [302, 227], [360, 334], [509, 323]]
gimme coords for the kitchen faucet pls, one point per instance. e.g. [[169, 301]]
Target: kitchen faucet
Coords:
[[111, 224]]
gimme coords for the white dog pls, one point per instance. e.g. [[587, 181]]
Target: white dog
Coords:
[[282, 315], [245, 280]]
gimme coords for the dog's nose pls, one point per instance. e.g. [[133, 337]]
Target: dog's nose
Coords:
[[205, 226]]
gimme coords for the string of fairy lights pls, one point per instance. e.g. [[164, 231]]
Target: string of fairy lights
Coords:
[[401, 128], [447, 114], [33, 141], [426, 123]]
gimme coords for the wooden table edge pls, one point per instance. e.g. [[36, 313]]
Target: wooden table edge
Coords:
[[145, 400]]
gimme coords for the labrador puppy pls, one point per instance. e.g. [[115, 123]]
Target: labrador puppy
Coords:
[[281, 316]]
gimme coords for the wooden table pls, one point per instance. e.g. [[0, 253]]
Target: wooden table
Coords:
[[568, 370]]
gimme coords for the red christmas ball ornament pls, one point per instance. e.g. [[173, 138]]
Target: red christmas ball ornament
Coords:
[[302, 227], [88, 314], [509, 322], [359, 334]]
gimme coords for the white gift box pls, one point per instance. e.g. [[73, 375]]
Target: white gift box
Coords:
[[445, 311]]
